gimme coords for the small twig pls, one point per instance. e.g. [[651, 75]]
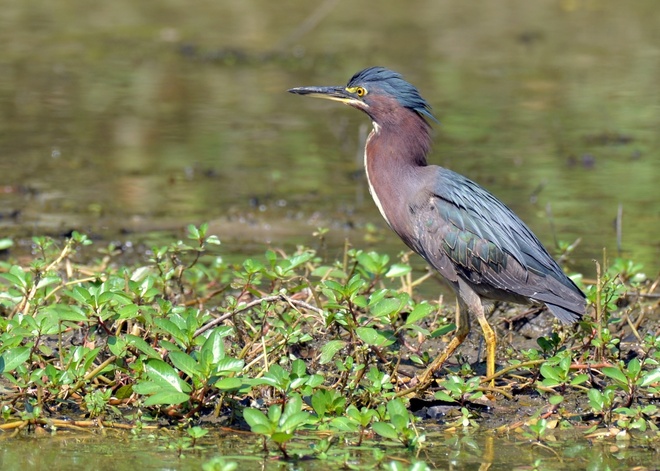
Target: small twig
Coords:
[[546, 447], [265, 354], [496, 390], [251, 304], [203, 300], [224, 317], [421, 279], [632, 326], [71, 424], [91, 374]]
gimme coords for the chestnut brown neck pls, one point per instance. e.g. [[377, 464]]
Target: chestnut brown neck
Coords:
[[395, 156]]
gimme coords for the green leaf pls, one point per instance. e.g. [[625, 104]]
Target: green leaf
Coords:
[[443, 330], [371, 336], [117, 345], [353, 413], [48, 280], [274, 413], [616, 374], [6, 243], [80, 295], [634, 367], [213, 240], [379, 295], [397, 407], [556, 399], [163, 374], [228, 384], [315, 380], [320, 402], [372, 262], [550, 372], [13, 279], [166, 397], [89, 358], [185, 363], [276, 376], [334, 286], [293, 405], [129, 311], [399, 422], [344, 424], [64, 312], [13, 358], [298, 368], [256, 418], [579, 379], [281, 437], [17, 277], [293, 421], [147, 388], [596, 399], [398, 269], [419, 312], [213, 348], [263, 381], [443, 396], [170, 328], [229, 365], [168, 346], [545, 345], [385, 430], [141, 345], [193, 232], [650, 378], [262, 429], [386, 307], [113, 297], [300, 258]]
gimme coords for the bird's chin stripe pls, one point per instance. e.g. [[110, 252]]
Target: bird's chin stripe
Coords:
[[346, 101], [373, 193]]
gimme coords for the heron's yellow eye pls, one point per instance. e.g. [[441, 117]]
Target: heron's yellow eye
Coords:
[[359, 91]]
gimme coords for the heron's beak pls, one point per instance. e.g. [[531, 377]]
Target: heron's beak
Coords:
[[330, 93]]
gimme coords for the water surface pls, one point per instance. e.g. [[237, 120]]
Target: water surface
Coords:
[[130, 117]]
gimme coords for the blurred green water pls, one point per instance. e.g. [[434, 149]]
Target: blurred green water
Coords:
[[128, 117]]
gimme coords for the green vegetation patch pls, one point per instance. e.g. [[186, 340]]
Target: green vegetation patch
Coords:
[[291, 346]]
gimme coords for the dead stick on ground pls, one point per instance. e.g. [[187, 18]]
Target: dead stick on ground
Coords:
[[256, 302]]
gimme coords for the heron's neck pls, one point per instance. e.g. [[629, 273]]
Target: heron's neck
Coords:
[[394, 155]]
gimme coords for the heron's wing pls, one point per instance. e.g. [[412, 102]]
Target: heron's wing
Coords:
[[488, 245]]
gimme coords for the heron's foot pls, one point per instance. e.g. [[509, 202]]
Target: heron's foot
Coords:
[[427, 377], [489, 383]]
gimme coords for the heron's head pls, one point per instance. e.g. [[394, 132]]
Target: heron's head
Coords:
[[379, 92]]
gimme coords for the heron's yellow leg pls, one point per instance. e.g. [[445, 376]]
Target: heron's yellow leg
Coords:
[[475, 307], [462, 331], [470, 303], [491, 343]]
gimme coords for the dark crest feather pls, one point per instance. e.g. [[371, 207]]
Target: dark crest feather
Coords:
[[393, 84]]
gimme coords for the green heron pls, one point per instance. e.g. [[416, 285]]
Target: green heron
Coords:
[[472, 239]]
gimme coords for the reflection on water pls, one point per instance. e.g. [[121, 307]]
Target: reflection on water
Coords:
[[148, 115], [118, 451]]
